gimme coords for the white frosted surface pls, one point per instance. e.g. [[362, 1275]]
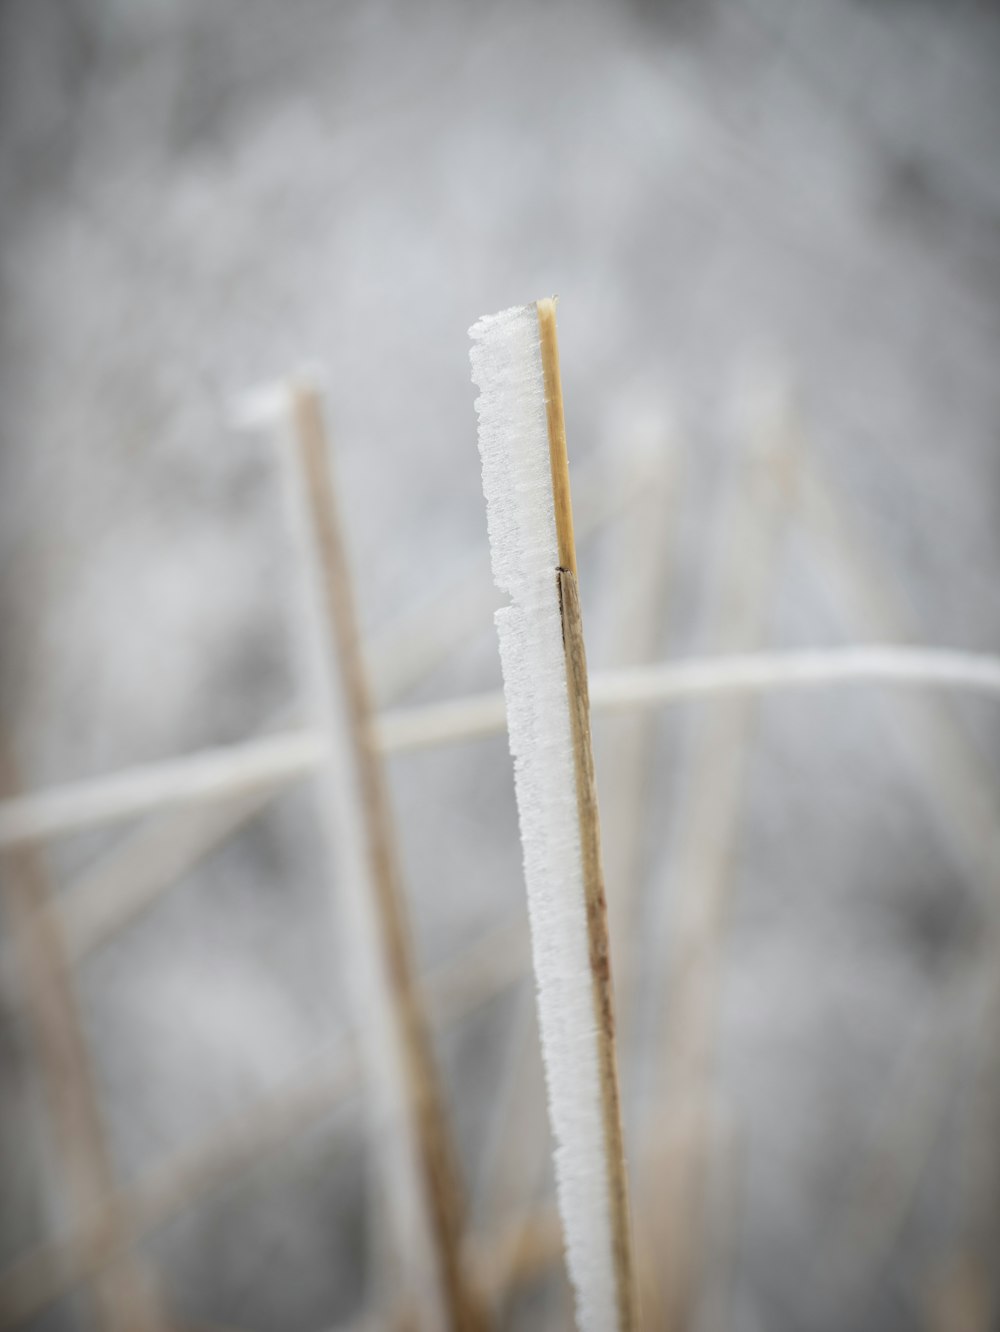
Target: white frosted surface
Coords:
[[513, 442]]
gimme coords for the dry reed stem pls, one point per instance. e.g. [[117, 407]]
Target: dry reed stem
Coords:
[[130, 878], [600, 949], [421, 639], [979, 1169], [885, 1178], [212, 774], [257, 769], [122, 1295], [703, 876], [961, 1291], [589, 829], [641, 578], [44, 1275], [519, 1251], [967, 806], [516, 1161], [632, 689], [959, 1297], [435, 1153], [965, 797], [556, 422], [866, 590], [454, 989], [642, 583]]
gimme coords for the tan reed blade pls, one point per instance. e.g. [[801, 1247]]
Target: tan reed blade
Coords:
[[589, 822], [751, 532], [436, 1161], [123, 1298]]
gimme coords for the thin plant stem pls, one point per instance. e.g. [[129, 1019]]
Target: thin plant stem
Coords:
[[454, 990], [702, 872], [364, 843], [256, 770], [589, 829], [123, 1298]]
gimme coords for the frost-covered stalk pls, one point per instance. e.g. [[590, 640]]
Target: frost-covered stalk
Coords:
[[406, 1115], [522, 441]]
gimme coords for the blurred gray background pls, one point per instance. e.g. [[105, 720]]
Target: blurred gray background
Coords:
[[730, 195]]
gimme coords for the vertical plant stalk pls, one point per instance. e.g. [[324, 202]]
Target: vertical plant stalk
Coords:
[[578, 696], [130, 878], [526, 482], [965, 803], [518, 1151], [600, 946], [398, 1030], [641, 576], [965, 806], [123, 1296], [751, 530]]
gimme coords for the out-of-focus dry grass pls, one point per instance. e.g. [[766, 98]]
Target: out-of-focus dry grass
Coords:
[[194, 198]]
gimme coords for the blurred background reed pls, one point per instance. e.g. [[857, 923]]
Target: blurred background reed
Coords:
[[775, 229]]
